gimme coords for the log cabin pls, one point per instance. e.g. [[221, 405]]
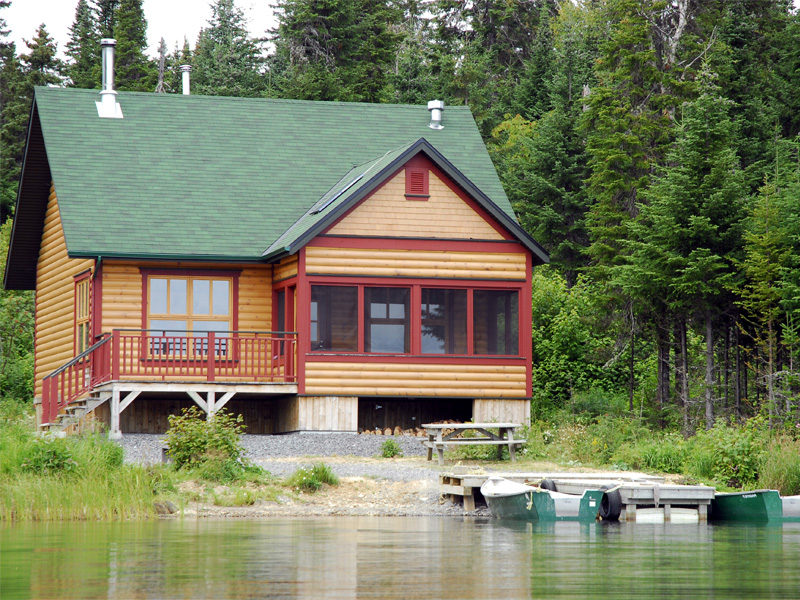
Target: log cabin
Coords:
[[313, 266]]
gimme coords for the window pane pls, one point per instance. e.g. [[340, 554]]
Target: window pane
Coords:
[[386, 327], [496, 322], [201, 296], [200, 329], [444, 321], [177, 297], [158, 296], [163, 333], [336, 312], [387, 338], [377, 310], [280, 310], [222, 298]]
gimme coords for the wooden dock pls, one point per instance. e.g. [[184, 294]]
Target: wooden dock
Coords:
[[637, 490]]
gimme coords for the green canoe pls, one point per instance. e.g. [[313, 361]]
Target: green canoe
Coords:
[[756, 506], [511, 500]]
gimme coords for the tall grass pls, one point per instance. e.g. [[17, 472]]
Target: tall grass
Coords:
[[69, 479], [780, 466]]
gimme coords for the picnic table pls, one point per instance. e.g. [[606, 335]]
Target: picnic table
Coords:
[[438, 440]]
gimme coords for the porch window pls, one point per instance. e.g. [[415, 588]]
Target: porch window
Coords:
[[496, 322], [444, 321], [386, 314], [189, 306], [334, 318], [82, 313]]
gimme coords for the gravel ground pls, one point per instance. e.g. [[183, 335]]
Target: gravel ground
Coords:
[[270, 452]]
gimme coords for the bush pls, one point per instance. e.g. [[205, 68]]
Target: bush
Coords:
[[310, 479], [46, 456], [603, 438], [390, 448], [780, 466], [667, 455], [212, 444], [727, 454]]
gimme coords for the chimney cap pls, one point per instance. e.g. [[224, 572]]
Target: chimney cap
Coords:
[[108, 42], [186, 68], [436, 105]]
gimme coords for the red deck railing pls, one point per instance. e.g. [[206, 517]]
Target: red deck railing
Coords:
[[149, 355]]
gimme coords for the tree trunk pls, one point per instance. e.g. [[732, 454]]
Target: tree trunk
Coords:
[[709, 372], [683, 374], [662, 391], [631, 378], [737, 391], [770, 371], [726, 361]]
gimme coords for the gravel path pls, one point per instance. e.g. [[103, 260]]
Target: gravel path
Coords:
[[271, 452]]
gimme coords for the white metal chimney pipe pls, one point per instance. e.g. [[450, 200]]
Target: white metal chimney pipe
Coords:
[[436, 107], [108, 107], [185, 83]]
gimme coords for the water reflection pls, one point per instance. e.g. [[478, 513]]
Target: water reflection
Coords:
[[390, 557]]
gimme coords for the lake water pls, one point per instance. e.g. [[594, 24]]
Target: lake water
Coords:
[[397, 557]]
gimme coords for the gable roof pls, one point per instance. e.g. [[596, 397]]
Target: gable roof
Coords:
[[220, 178], [364, 179]]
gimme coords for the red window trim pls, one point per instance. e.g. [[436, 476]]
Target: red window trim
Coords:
[[415, 287], [233, 274], [78, 279]]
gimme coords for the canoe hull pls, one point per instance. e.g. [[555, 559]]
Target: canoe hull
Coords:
[[758, 506], [511, 500]]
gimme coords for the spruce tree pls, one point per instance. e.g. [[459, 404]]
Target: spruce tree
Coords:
[[83, 49], [227, 61], [690, 231], [134, 71], [106, 11], [337, 49]]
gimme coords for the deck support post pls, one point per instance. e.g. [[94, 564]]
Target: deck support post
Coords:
[[119, 404], [630, 512], [114, 431]]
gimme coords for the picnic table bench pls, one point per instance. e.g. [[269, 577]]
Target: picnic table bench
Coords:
[[438, 440]]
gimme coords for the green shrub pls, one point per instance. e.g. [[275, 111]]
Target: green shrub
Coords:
[[666, 454], [780, 466], [310, 479], [603, 438], [212, 444], [729, 455], [48, 455], [390, 448]]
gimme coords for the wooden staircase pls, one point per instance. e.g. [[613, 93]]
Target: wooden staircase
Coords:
[[70, 419]]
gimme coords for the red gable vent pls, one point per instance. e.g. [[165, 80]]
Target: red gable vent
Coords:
[[417, 183]]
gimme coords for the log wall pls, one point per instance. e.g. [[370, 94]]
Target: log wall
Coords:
[[445, 264], [418, 379], [122, 294], [55, 296]]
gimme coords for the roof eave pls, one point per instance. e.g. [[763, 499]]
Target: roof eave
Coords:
[[23, 249]]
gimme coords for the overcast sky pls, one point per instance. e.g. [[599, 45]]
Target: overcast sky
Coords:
[[170, 19]]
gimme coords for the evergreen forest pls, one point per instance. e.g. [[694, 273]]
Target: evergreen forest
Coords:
[[651, 146]]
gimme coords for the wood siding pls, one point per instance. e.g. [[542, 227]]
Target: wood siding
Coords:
[[489, 410], [311, 413], [286, 268], [122, 294], [426, 380], [443, 215], [55, 296], [360, 262]]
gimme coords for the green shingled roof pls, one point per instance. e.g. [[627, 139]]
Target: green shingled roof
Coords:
[[227, 178]]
